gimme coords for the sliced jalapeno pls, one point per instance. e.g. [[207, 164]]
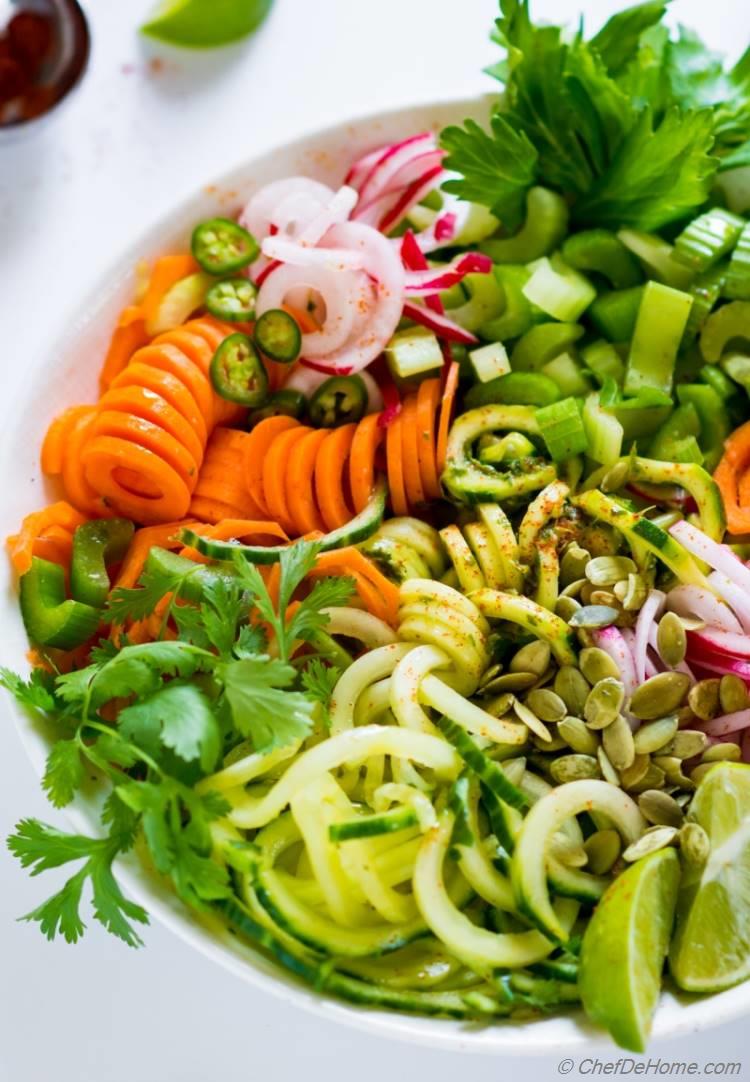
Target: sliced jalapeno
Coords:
[[338, 401], [278, 336], [284, 403], [233, 299], [237, 372], [221, 246]]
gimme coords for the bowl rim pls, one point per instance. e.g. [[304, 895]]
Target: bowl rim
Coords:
[[561, 1033]]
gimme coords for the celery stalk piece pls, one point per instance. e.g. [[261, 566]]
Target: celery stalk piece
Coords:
[[542, 343], [562, 429], [603, 360], [657, 258], [489, 362], [413, 352], [559, 290], [614, 313], [662, 318], [568, 375], [603, 431], [737, 286], [708, 238], [722, 327], [545, 226]]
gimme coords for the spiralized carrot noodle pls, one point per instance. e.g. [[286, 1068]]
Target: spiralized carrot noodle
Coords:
[[45, 533], [377, 593], [220, 492], [129, 335]]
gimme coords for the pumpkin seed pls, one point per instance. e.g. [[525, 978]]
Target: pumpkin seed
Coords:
[[617, 740], [653, 778], [695, 844], [573, 563], [652, 841], [697, 775], [578, 736], [661, 694], [511, 681], [655, 735], [575, 588], [593, 616], [606, 598], [703, 698], [671, 640], [635, 594], [660, 808], [514, 769], [603, 703], [546, 704], [489, 674], [605, 764], [555, 743], [568, 852], [683, 799], [565, 607], [607, 570], [616, 478], [636, 772], [574, 768], [733, 694], [687, 744], [722, 753], [531, 721], [596, 665], [532, 658], [500, 705], [573, 688], [672, 768], [602, 848]]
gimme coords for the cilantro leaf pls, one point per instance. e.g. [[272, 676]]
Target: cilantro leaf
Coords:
[[223, 608], [153, 585], [251, 640], [261, 710], [63, 774], [36, 693], [495, 169], [310, 615], [319, 680], [178, 716]]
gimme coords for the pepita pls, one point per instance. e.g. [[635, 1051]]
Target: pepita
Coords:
[[603, 703], [695, 845], [616, 477], [604, 597], [565, 607], [574, 768], [653, 778], [510, 681], [605, 765], [607, 570], [722, 753], [594, 616], [617, 740], [573, 563], [703, 698], [532, 658], [531, 721], [596, 665], [575, 588], [636, 772], [660, 695], [671, 640], [555, 743], [672, 767], [651, 842], [578, 736], [687, 744], [489, 674], [514, 769], [733, 694], [546, 704], [697, 775], [500, 705], [660, 808], [568, 852], [655, 735], [635, 593], [573, 688], [602, 848], [683, 799]]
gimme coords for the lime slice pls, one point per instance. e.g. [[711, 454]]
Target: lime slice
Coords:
[[200, 24], [711, 947], [624, 947]]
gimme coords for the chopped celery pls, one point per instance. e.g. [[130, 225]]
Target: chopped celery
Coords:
[[508, 448], [705, 291], [614, 313], [601, 251], [559, 290], [489, 362], [477, 223], [737, 367], [603, 431], [708, 238], [683, 422], [413, 352], [515, 389], [724, 326], [517, 315], [662, 317], [545, 226], [737, 284], [713, 417], [483, 300], [568, 375], [454, 296], [641, 416], [719, 380], [603, 360], [687, 450], [543, 343], [657, 258], [562, 429]]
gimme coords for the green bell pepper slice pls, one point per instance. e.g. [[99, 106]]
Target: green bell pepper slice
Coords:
[[95, 545], [50, 619]]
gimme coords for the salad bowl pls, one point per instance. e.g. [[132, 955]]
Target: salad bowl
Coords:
[[68, 372]]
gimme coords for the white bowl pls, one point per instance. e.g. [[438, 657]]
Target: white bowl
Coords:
[[69, 375]]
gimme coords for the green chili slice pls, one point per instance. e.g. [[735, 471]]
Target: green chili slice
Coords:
[[221, 246], [284, 403], [278, 336], [233, 299], [237, 372], [338, 401]]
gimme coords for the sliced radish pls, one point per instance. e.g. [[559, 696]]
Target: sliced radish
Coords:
[[695, 601]]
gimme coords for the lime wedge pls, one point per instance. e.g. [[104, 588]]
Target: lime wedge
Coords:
[[711, 947], [624, 947], [203, 24]]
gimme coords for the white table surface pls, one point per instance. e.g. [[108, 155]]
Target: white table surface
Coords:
[[146, 128]]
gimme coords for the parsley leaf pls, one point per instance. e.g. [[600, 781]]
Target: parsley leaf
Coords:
[[178, 716], [261, 710]]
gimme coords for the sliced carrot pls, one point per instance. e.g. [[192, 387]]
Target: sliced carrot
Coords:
[[300, 495], [54, 446], [256, 448], [128, 336], [103, 459], [428, 400], [213, 332], [140, 402], [167, 270], [329, 477], [367, 439], [275, 479], [132, 429], [350, 561], [55, 545], [446, 413], [394, 456], [169, 359], [304, 320], [410, 452], [165, 536], [74, 481], [168, 387], [35, 525], [731, 476], [207, 510]]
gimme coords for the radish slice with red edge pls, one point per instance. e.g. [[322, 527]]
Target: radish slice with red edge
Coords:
[[694, 601], [722, 642], [734, 596], [719, 557], [651, 610], [612, 641], [422, 283], [441, 325]]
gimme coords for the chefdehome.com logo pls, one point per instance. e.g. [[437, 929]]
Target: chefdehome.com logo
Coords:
[[591, 1066]]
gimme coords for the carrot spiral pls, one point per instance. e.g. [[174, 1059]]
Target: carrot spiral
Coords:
[[220, 492], [47, 533]]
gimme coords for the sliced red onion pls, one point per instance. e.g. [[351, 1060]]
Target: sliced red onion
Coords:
[[727, 723], [695, 601], [338, 210], [410, 197], [614, 643], [726, 666], [341, 292], [721, 642], [283, 250], [370, 208], [665, 495], [651, 668], [375, 181], [262, 209], [719, 557], [651, 610], [745, 746], [422, 283], [733, 595], [441, 325]]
